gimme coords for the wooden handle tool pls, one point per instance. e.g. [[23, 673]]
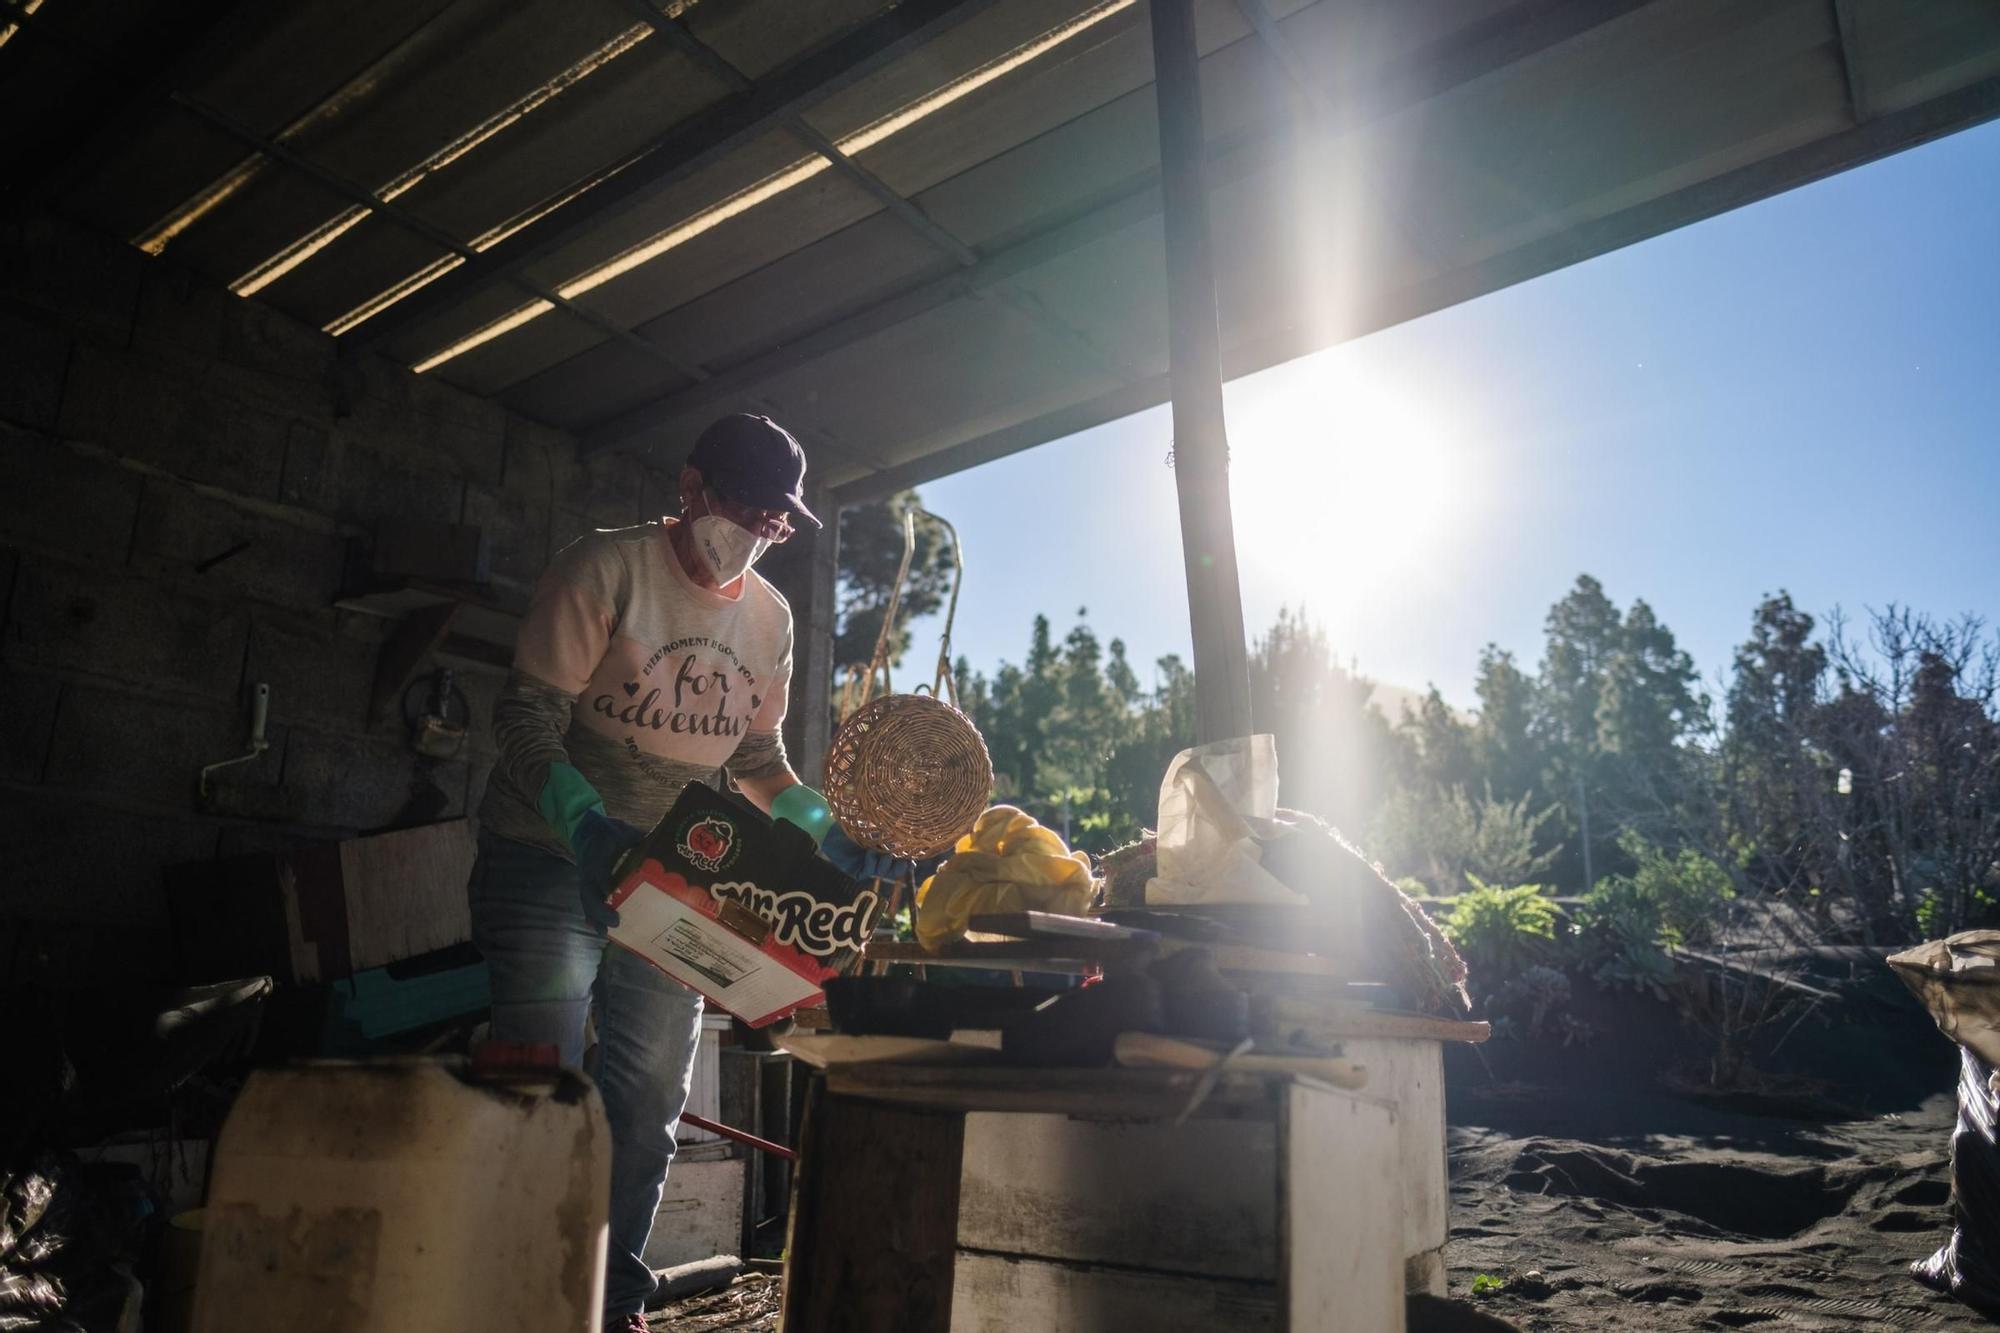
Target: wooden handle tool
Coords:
[[1149, 1050]]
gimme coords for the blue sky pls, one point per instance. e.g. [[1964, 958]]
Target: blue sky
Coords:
[[1802, 394]]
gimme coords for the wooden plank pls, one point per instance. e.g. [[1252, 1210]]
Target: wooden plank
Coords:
[[997, 960], [1196, 1198], [487, 615], [1074, 955], [700, 1213], [1057, 927], [405, 892], [1425, 1273], [1310, 1024], [1410, 1073], [998, 1294], [823, 1050], [1343, 1237], [1147, 1050], [874, 1218], [1145, 1094]]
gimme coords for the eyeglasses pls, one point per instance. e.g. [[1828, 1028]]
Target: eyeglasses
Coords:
[[773, 525]]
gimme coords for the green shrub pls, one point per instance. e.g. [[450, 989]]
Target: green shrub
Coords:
[[1622, 941], [1688, 890], [1629, 925], [1537, 1000], [1501, 932]]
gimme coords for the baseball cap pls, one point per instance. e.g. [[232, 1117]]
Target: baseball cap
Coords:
[[753, 461]]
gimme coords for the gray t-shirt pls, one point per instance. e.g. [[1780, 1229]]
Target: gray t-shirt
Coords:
[[641, 679]]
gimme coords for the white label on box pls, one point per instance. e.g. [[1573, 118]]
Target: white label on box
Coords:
[[707, 956]]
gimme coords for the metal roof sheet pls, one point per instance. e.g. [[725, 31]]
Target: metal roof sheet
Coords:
[[926, 232]]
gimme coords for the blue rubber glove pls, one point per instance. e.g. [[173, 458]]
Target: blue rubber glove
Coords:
[[858, 862], [599, 842]]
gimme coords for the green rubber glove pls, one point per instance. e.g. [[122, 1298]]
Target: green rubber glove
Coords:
[[801, 805], [565, 798]]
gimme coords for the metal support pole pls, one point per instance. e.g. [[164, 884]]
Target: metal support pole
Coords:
[[1201, 445]]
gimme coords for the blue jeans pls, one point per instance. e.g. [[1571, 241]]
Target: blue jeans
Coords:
[[549, 962]]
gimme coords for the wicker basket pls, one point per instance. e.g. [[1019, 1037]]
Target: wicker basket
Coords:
[[907, 774]]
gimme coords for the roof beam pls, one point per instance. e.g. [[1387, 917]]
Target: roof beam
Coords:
[[446, 27], [1449, 62], [884, 194], [1119, 401], [712, 62], [683, 149], [1266, 27], [360, 196], [1850, 60], [1132, 201], [902, 208], [368, 199], [202, 44]]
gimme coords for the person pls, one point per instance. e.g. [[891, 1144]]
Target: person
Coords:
[[650, 657]]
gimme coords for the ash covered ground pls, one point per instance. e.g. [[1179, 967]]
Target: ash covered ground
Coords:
[[1748, 1222]]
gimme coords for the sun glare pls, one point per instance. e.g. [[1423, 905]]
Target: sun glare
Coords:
[[1348, 490]]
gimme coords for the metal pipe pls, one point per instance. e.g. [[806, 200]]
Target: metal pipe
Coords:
[[741, 1136]]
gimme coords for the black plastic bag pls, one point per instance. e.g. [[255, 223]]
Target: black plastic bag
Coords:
[[1958, 980], [1967, 1268], [70, 1238]]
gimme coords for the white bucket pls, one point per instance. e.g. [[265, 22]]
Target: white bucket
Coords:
[[403, 1195]]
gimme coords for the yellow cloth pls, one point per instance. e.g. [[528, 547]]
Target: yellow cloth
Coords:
[[1008, 863]]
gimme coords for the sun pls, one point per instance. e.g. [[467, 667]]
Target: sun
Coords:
[[1345, 484]]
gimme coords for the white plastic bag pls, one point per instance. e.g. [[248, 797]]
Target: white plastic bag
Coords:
[[1206, 851]]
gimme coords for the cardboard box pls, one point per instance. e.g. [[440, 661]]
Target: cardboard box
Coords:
[[740, 907], [322, 911]]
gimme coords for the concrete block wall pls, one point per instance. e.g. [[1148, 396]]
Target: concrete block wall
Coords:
[[180, 473]]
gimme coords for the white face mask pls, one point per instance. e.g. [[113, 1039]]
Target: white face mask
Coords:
[[727, 550]]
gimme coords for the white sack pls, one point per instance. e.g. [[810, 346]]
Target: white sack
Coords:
[[1206, 853]]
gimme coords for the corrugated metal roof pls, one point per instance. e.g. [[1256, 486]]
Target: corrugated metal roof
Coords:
[[622, 220]]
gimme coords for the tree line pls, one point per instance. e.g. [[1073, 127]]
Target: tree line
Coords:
[[1849, 770]]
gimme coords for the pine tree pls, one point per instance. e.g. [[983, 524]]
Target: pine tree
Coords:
[[1770, 770], [1503, 748]]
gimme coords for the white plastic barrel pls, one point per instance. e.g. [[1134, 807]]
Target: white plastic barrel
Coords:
[[407, 1195]]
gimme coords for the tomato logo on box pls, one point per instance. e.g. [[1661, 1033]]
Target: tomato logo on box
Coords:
[[709, 842]]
